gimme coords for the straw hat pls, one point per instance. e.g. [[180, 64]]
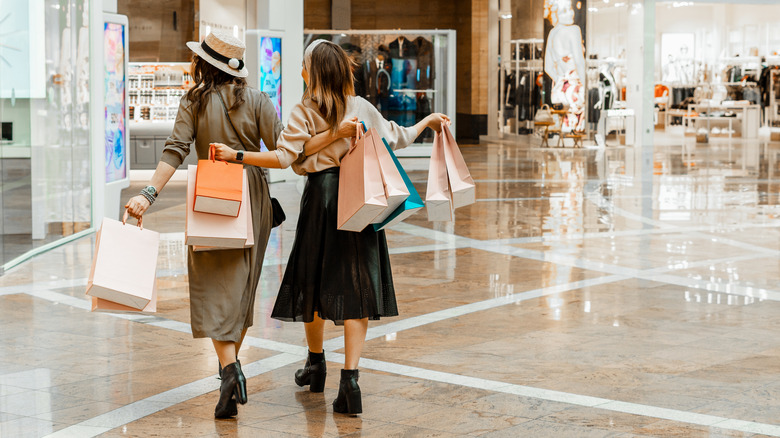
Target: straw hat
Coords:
[[223, 51]]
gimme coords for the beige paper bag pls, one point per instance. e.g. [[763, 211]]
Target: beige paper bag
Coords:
[[124, 265]]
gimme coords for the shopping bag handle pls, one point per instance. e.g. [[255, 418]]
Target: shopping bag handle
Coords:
[[213, 154], [358, 135], [140, 220]]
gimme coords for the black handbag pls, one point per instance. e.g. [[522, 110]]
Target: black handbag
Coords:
[[276, 207]]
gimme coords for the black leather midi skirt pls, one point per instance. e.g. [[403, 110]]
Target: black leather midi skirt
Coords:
[[338, 274]]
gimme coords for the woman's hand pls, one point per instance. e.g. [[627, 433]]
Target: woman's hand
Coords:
[[436, 119], [136, 207], [223, 152], [347, 128]]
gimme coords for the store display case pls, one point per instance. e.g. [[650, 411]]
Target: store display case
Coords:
[[154, 91], [405, 74]]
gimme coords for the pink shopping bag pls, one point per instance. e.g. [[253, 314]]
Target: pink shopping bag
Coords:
[[361, 191], [213, 230], [462, 187], [395, 187], [438, 200], [124, 265]]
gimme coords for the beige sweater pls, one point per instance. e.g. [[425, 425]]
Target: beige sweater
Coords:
[[305, 122]]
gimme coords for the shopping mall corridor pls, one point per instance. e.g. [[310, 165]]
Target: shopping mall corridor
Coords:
[[587, 293]]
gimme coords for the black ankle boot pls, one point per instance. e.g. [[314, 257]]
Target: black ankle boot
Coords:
[[220, 368], [232, 390], [348, 400], [313, 373]]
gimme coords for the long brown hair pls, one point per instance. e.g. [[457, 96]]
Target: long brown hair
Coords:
[[330, 82], [207, 78]]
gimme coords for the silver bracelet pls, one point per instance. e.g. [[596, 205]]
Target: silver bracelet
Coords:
[[148, 197]]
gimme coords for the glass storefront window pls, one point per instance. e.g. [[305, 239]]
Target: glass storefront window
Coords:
[[45, 159], [406, 75]]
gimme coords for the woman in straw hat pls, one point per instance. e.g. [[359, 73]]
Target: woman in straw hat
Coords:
[[333, 275], [222, 283]]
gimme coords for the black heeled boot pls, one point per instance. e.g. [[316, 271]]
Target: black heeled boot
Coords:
[[313, 373], [348, 400], [232, 390], [220, 368]]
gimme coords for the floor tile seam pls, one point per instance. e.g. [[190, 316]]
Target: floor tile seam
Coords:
[[458, 311], [571, 398], [673, 229], [165, 400], [253, 340], [701, 263], [254, 369], [598, 235], [736, 243], [559, 258], [738, 290], [437, 235], [664, 226], [600, 201], [655, 274], [335, 343]]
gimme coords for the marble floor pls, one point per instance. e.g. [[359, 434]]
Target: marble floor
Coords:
[[587, 293]]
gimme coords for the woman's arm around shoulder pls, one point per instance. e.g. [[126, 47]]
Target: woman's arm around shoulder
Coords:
[[289, 145]]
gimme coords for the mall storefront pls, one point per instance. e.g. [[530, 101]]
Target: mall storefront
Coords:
[[88, 99]]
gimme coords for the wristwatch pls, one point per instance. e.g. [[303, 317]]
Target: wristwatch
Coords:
[[150, 190], [239, 156]]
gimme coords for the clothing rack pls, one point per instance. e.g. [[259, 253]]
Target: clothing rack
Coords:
[[520, 71]]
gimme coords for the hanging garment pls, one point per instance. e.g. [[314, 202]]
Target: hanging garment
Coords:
[[425, 63]]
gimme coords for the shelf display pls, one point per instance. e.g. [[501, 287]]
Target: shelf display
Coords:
[[154, 90], [406, 75]]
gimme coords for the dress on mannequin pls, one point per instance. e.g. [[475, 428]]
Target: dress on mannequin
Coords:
[[564, 62]]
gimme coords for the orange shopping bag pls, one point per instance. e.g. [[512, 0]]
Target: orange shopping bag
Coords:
[[124, 265], [361, 192], [218, 186], [213, 230]]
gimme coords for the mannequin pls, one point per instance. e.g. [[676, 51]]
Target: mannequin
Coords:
[[564, 62]]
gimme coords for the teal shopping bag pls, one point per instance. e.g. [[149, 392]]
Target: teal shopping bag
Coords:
[[413, 203]]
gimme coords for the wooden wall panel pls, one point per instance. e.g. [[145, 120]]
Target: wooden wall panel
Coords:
[[527, 19], [316, 14], [479, 50], [152, 35]]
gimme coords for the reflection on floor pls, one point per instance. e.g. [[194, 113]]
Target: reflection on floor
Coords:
[[587, 293]]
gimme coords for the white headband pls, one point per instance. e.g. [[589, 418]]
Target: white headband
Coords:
[[308, 52]]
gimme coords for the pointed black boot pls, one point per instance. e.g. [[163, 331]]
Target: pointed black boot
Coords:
[[348, 400], [232, 390], [313, 373]]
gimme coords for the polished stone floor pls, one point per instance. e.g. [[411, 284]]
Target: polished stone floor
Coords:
[[587, 293]]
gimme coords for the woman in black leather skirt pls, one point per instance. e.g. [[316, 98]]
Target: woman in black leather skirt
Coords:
[[335, 275]]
